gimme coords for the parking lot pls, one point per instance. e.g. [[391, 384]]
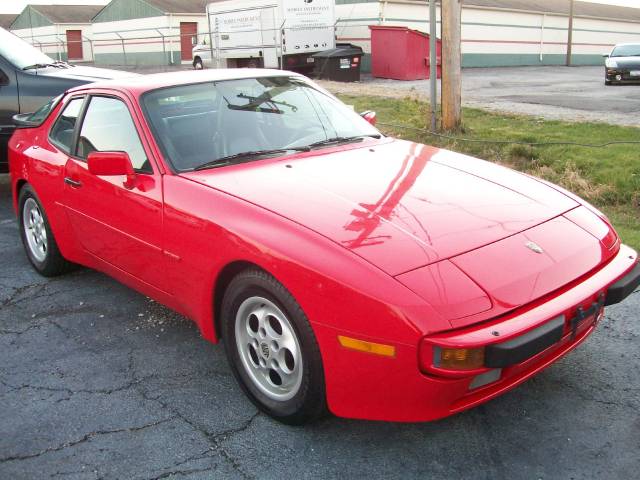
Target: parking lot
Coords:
[[574, 94], [97, 381]]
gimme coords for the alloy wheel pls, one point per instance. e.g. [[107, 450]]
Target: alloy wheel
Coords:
[[34, 229], [269, 348]]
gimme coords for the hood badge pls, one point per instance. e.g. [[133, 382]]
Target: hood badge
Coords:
[[533, 246]]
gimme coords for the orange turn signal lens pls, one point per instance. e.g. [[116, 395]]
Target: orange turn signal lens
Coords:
[[368, 347], [458, 358]]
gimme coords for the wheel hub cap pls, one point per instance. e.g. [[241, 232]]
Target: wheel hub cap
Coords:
[[269, 348], [34, 230]]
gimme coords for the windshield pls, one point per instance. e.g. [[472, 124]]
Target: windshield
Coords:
[[20, 53], [626, 51], [199, 124]]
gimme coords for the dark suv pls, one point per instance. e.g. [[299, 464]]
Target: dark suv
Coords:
[[29, 79]]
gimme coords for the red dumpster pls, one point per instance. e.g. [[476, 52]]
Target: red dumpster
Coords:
[[401, 53]]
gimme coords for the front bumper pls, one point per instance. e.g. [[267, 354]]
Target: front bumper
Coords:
[[393, 389], [623, 287], [625, 76]]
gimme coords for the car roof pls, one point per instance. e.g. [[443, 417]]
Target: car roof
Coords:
[[625, 44], [144, 83]]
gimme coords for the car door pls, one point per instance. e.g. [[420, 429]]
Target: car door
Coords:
[[9, 106], [119, 223]]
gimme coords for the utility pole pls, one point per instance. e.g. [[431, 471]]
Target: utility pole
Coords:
[[570, 35], [451, 65], [433, 64]]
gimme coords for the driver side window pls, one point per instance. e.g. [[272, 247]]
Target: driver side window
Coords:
[[108, 126]]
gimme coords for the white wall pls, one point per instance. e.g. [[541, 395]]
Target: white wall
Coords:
[[142, 36], [52, 39], [491, 36]]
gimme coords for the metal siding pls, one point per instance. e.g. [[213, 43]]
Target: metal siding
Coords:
[[180, 6], [557, 7], [483, 60], [29, 18], [126, 10], [496, 37], [68, 13], [346, 2]]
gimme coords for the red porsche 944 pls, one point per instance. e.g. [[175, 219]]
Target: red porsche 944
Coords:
[[345, 270]]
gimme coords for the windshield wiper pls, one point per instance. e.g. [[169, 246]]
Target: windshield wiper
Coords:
[[338, 140], [38, 65], [257, 101], [60, 63], [236, 157]]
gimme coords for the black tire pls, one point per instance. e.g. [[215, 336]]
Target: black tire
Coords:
[[309, 403], [197, 64], [53, 263]]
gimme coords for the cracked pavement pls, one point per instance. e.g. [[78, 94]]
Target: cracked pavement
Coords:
[[97, 381]]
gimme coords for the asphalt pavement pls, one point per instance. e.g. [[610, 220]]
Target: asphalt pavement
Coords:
[[97, 381], [552, 93]]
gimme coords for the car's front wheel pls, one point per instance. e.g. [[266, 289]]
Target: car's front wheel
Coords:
[[197, 63], [272, 349], [37, 237]]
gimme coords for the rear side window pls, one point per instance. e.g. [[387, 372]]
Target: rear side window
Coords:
[[108, 127], [62, 131]]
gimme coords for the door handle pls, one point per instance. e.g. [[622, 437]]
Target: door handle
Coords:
[[72, 182]]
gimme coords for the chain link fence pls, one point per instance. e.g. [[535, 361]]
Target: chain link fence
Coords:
[[159, 47]]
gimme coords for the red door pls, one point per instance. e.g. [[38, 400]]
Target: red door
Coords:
[[74, 44], [188, 36], [120, 225]]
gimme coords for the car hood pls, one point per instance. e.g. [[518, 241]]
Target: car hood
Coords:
[[623, 62], [399, 205], [82, 74]]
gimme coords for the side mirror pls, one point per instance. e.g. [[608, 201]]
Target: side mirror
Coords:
[[370, 116], [22, 119], [605, 55], [108, 164]]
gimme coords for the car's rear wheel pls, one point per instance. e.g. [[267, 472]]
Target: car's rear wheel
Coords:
[[272, 349], [38, 240]]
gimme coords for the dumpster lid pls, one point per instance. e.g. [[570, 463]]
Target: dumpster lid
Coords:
[[340, 51], [399, 29]]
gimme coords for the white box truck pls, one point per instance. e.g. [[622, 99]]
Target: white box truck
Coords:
[[266, 33]]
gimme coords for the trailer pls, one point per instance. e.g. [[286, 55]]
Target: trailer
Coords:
[[266, 34]]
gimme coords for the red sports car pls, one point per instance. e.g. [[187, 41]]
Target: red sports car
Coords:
[[345, 270]]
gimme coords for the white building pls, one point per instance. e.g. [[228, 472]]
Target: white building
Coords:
[[503, 32], [61, 31], [494, 32], [148, 32]]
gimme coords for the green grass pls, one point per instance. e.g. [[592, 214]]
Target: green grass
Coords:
[[607, 177]]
